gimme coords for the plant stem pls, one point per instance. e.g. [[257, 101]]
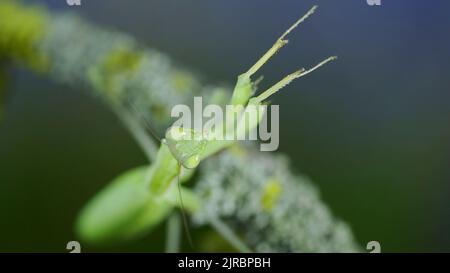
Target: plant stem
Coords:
[[229, 235], [173, 234]]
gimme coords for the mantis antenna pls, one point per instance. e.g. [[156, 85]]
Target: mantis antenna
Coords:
[[144, 119], [185, 223]]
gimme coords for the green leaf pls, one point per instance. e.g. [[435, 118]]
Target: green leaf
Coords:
[[190, 200], [166, 169], [3, 82], [121, 211]]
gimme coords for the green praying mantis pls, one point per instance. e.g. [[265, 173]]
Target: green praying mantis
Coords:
[[141, 198]]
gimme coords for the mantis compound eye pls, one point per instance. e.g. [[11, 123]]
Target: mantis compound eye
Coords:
[[186, 145], [192, 162]]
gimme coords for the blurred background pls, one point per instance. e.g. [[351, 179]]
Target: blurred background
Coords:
[[372, 130]]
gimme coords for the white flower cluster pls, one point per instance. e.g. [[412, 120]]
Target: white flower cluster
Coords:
[[119, 69], [235, 187]]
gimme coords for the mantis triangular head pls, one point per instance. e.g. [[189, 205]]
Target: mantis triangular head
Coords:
[[186, 145]]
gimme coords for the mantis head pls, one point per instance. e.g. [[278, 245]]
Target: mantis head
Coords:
[[186, 145]]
